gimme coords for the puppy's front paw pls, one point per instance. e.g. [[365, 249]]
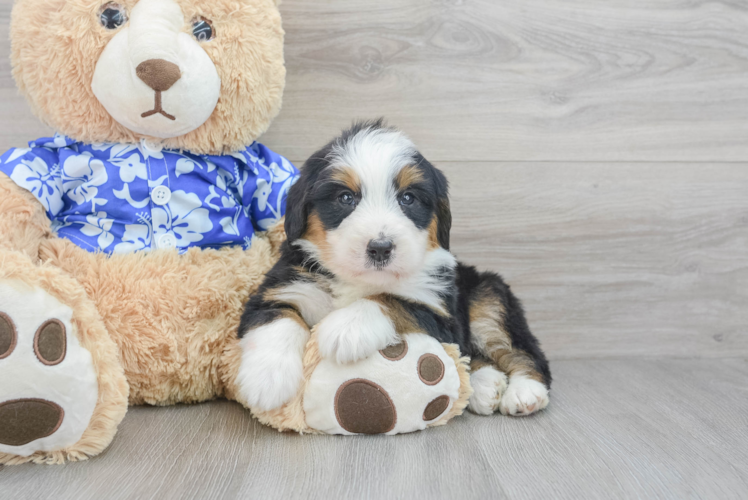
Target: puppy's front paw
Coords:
[[271, 369], [355, 332], [489, 385], [523, 397]]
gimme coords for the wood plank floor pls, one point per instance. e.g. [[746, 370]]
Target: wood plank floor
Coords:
[[615, 429]]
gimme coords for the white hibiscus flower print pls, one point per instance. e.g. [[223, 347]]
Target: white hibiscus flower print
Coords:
[[230, 224], [60, 223], [99, 225], [81, 177], [282, 173], [262, 193], [56, 142], [185, 166], [184, 217], [129, 162], [16, 153], [137, 236], [42, 181]]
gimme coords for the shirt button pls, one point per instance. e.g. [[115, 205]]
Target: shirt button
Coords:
[[151, 147], [161, 195], [167, 241]]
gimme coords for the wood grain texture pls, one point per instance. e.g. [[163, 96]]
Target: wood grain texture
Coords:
[[614, 429], [522, 79], [510, 80], [613, 259]]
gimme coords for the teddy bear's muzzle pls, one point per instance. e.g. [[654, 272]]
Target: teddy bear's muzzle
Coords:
[[25, 420]]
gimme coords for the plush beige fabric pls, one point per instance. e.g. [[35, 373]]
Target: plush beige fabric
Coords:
[[56, 45]]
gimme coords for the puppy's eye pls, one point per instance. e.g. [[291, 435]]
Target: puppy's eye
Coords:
[[407, 199], [112, 15], [347, 199], [202, 29]]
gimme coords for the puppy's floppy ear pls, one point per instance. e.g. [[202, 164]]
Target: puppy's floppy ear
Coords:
[[297, 208], [443, 211]]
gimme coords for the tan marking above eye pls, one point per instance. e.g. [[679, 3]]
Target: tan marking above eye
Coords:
[[8, 336], [50, 342], [347, 177], [408, 176]]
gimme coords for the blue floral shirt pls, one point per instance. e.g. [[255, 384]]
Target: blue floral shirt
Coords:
[[119, 198]]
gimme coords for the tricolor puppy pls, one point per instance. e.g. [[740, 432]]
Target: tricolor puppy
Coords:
[[367, 258]]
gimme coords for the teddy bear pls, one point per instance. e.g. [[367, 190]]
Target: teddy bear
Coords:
[[130, 240]]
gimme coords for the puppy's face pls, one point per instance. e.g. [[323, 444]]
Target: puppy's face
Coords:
[[369, 207]]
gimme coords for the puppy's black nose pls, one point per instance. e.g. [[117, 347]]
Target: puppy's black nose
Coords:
[[380, 250]]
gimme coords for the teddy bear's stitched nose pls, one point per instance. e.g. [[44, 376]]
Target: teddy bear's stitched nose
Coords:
[[158, 74]]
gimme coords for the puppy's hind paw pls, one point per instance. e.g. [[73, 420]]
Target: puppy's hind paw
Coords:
[[489, 385], [523, 397]]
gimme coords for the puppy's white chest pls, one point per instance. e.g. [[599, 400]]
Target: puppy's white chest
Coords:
[[312, 302], [345, 294]]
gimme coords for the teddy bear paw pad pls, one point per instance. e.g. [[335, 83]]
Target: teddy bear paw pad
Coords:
[[403, 388], [363, 407], [48, 385]]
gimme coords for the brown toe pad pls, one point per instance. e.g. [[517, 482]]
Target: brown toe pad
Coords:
[[26, 420], [363, 407], [395, 352], [430, 369], [8, 336], [435, 408]]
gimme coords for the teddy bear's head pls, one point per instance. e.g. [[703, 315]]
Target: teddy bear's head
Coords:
[[200, 75]]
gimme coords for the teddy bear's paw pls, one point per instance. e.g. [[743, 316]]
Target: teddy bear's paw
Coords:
[[489, 385], [48, 385], [405, 387], [523, 396], [271, 369], [355, 332]]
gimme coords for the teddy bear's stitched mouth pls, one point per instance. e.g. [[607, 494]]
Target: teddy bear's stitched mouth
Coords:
[[158, 109]]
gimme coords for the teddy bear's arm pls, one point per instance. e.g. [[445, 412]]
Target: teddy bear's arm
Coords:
[[24, 223]]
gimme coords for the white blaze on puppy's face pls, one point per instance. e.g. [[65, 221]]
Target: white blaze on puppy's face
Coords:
[[376, 157]]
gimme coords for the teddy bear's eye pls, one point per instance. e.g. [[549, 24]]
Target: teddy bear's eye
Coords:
[[112, 16], [203, 30]]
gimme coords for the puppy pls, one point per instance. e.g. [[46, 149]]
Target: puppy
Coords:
[[367, 258]]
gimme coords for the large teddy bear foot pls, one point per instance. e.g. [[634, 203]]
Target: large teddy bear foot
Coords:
[[57, 399], [403, 388], [406, 387]]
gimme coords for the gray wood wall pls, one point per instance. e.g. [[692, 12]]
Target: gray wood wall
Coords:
[[597, 151]]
